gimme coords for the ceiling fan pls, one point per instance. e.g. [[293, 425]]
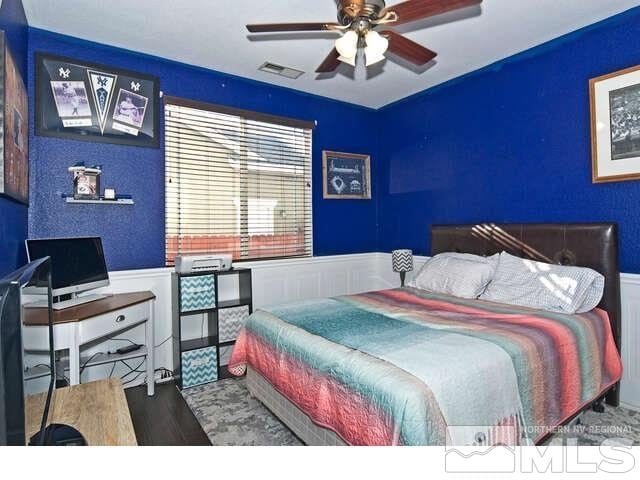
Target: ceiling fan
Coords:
[[359, 19]]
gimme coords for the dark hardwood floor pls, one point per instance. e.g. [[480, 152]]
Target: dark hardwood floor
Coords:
[[165, 418]]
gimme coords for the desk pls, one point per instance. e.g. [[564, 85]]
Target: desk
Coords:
[[88, 322], [98, 410]]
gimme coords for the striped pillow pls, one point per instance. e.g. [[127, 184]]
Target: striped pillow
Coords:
[[458, 274], [543, 286]]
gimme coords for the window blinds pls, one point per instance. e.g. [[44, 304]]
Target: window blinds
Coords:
[[237, 182]]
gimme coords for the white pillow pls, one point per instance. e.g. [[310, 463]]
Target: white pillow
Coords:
[[557, 288], [458, 274]]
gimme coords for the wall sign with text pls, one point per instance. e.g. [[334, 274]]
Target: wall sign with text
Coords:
[[83, 101]]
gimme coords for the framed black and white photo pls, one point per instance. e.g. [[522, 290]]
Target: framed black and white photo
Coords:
[[346, 175], [130, 109], [84, 101], [14, 131], [615, 126], [72, 103]]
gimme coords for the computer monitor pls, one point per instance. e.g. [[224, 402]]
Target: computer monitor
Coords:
[[77, 264]]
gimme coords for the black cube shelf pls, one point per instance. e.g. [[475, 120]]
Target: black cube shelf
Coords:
[[200, 360]]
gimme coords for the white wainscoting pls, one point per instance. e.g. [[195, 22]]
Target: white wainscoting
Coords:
[[630, 350], [274, 282], [281, 281]]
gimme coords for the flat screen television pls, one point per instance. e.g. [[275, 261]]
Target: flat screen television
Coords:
[[77, 264], [16, 421], [24, 415]]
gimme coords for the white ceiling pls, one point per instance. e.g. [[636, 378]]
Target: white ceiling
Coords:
[[211, 33]]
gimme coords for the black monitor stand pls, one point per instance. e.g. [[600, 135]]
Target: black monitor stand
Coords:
[[57, 434]]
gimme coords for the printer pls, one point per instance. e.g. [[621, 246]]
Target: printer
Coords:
[[203, 263]]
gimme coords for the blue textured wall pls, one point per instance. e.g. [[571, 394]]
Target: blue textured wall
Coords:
[[508, 143], [13, 216], [134, 236]]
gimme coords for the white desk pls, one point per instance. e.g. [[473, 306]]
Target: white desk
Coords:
[[76, 326]]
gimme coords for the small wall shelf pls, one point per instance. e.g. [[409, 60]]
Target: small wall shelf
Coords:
[[119, 201]]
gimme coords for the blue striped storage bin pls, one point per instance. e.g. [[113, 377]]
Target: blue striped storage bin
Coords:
[[197, 293], [199, 366]]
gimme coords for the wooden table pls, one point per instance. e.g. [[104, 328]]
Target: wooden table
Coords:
[[98, 410]]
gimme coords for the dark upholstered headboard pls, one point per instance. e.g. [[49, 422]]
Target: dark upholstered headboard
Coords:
[[593, 245]]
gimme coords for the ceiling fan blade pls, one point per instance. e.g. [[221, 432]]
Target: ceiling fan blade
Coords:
[[291, 27], [330, 63], [408, 49], [413, 10]]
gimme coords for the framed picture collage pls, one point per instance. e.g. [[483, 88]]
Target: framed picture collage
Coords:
[[83, 101]]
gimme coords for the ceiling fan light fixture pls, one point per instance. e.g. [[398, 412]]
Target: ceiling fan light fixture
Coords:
[[347, 45], [376, 47], [349, 60], [357, 19]]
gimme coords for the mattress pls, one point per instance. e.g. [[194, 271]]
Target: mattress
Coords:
[[294, 418], [406, 367]]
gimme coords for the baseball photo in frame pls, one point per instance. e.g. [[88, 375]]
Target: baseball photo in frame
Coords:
[[615, 126], [85, 101]]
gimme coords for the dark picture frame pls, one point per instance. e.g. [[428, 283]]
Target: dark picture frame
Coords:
[[346, 176], [86, 186], [615, 126], [79, 100], [14, 144]]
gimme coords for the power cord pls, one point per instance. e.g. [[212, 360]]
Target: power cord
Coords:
[[133, 379], [84, 365], [124, 340], [163, 342], [26, 369], [133, 369], [166, 373]]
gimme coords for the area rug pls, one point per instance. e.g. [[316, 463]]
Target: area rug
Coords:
[[229, 415]]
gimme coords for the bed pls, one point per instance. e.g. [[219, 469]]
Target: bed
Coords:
[[408, 367]]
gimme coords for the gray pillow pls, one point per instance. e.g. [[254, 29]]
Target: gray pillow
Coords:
[[557, 288], [459, 274]]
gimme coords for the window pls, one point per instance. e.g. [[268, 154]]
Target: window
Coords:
[[237, 182]]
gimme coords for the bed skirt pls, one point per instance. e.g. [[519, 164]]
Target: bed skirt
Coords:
[[294, 418]]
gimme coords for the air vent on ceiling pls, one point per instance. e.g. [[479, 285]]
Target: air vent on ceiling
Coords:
[[280, 70]]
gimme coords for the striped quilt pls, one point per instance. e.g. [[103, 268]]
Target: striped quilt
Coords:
[[398, 367]]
